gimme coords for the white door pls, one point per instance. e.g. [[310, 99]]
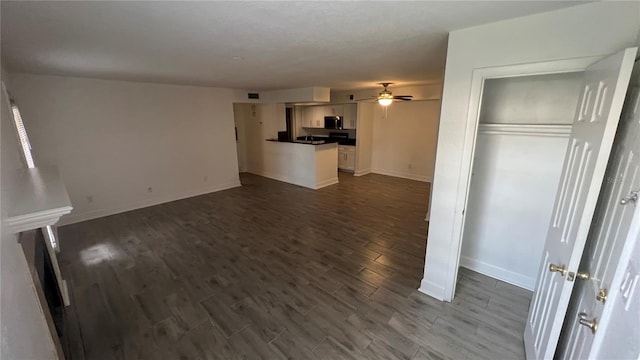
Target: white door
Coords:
[[602, 95], [617, 337], [606, 258]]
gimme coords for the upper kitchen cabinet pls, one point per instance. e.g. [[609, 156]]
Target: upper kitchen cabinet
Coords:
[[350, 116], [305, 116], [333, 110], [313, 116]]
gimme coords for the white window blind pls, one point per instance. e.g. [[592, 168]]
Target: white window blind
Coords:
[[26, 151], [22, 134]]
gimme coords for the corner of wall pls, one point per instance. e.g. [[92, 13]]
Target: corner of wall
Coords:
[[432, 289], [25, 334]]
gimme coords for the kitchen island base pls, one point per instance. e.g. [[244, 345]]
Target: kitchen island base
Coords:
[[310, 165]]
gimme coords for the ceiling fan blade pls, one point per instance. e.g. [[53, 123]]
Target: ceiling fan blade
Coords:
[[403, 97], [367, 98]]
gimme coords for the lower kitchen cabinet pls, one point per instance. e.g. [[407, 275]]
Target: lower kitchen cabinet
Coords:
[[347, 157]]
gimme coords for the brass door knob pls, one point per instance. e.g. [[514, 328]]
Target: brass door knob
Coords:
[[602, 295], [583, 275], [632, 197], [591, 324], [558, 268]]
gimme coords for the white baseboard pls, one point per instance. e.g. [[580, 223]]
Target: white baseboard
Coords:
[[362, 172], [286, 179], [499, 273], [296, 181], [402, 174], [327, 183], [434, 290], [94, 214]]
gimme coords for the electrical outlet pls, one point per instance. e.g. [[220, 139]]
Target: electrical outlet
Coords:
[[149, 189], [206, 178], [410, 166], [90, 198]]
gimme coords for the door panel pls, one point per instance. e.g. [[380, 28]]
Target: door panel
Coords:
[[610, 233], [595, 122]]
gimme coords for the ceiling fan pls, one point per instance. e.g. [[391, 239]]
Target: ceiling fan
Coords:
[[385, 97]]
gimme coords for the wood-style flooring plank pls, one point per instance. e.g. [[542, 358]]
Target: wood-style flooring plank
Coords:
[[276, 271]]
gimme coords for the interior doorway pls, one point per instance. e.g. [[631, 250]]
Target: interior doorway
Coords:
[[242, 113]]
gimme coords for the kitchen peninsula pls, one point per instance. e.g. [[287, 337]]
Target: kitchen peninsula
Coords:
[[310, 164]]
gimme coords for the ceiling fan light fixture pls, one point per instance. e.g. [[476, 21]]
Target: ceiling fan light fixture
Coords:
[[385, 101], [385, 98]]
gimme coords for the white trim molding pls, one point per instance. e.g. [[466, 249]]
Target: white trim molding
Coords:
[[525, 130], [362, 172], [431, 289], [36, 220], [326, 183], [402, 174], [499, 273], [94, 214], [38, 199]]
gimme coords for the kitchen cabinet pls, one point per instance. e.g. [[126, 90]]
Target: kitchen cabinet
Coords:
[[347, 157], [333, 110], [313, 117], [318, 117], [349, 116], [306, 116]]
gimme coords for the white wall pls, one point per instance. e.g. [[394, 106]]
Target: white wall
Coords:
[[254, 138], [23, 328], [404, 139], [260, 123], [515, 176], [595, 29], [537, 99], [364, 138], [112, 140], [272, 119]]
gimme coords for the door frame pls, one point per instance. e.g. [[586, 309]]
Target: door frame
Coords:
[[479, 76]]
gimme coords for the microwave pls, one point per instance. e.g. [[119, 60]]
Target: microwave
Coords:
[[333, 122]]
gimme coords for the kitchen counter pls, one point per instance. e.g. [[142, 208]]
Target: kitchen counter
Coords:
[[305, 142], [306, 164], [326, 140]]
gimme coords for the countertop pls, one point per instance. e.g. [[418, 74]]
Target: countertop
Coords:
[[324, 142], [328, 140]]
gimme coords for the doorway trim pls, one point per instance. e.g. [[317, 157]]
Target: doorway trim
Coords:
[[479, 76]]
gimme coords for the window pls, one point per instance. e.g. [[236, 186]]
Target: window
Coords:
[[22, 134], [26, 151]]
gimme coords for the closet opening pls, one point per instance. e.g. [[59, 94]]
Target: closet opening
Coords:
[[523, 130]]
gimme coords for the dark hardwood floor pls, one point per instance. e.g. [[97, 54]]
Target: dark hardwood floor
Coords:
[[274, 271]]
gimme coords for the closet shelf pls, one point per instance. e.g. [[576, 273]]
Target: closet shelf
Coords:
[[525, 129], [37, 198]]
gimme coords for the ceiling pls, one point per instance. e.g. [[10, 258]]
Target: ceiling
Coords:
[[247, 45]]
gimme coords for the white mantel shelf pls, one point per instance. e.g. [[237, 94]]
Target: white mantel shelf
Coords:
[[38, 198]]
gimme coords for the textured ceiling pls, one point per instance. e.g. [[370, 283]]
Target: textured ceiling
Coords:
[[249, 45]]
